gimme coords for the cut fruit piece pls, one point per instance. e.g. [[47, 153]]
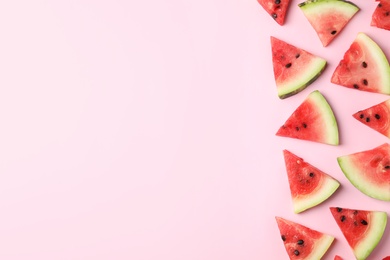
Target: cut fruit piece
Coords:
[[376, 117], [328, 17], [364, 67], [381, 16], [369, 171], [362, 229], [276, 8], [313, 121], [309, 186], [302, 242], [294, 68]]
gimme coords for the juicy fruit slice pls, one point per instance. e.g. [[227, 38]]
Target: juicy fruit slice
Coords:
[[369, 171], [294, 68], [276, 8], [309, 186], [328, 17], [302, 242], [362, 229], [313, 121], [376, 117], [381, 16], [364, 67]]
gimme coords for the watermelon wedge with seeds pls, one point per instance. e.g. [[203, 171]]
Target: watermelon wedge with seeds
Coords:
[[376, 117], [309, 186], [277, 9], [313, 120], [369, 171], [363, 229], [294, 68], [363, 67], [328, 17], [302, 242], [381, 16]]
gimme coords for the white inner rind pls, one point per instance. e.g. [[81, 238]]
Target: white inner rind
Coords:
[[359, 180], [327, 188], [306, 75], [326, 112], [321, 246], [380, 59], [378, 221]]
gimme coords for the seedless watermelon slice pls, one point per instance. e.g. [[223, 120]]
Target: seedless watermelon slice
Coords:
[[276, 8], [369, 171], [381, 16], [328, 17], [302, 242], [362, 229], [313, 121], [294, 68], [364, 67], [309, 186], [376, 117]]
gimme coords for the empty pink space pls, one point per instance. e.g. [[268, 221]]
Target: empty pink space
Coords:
[[145, 130]]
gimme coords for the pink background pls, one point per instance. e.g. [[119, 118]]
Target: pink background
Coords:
[[145, 130]]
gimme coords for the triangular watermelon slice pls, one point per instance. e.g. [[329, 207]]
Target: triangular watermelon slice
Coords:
[[294, 68], [309, 186], [277, 9], [369, 171], [328, 17], [362, 229], [364, 67], [313, 121], [302, 242], [381, 16], [376, 117]]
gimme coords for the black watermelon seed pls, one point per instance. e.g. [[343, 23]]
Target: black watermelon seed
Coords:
[[355, 85], [288, 65], [364, 64], [304, 125], [387, 167], [296, 252], [277, 2], [361, 116], [297, 55], [300, 242], [367, 119], [333, 32], [363, 222], [297, 128], [342, 218], [311, 174], [380, 5], [274, 16], [377, 116], [283, 238], [387, 13], [365, 82], [355, 212], [339, 209]]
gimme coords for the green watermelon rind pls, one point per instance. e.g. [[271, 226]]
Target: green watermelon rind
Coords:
[[308, 76], [327, 188], [380, 58], [322, 247], [356, 177], [311, 2], [377, 228]]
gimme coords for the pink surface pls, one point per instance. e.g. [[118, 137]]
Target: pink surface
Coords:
[[146, 130]]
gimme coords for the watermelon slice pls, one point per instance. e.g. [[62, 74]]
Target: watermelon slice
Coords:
[[362, 229], [309, 186], [369, 171], [328, 17], [302, 242], [364, 67], [276, 8], [377, 117], [381, 16], [313, 121], [294, 68]]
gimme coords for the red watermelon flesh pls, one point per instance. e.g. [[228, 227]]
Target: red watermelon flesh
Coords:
[[302, 242], [364, 67], [313, 121], [369, 171], [309, 186], [362, 229], [386, 258], [381, 16], [376, 117], [337, 257], [276, 8]]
